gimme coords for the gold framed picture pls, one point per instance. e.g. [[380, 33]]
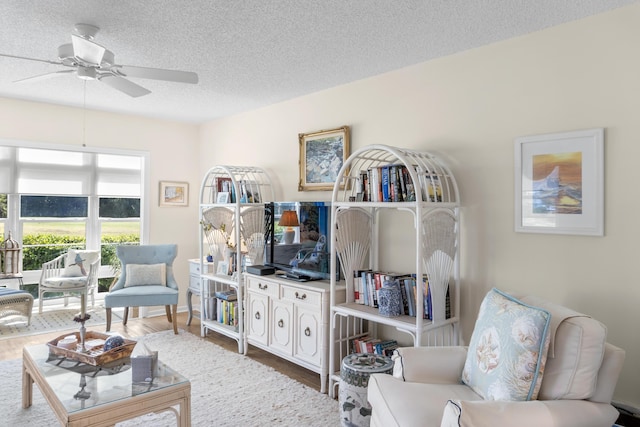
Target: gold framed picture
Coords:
[[322, 155], [174, 193]]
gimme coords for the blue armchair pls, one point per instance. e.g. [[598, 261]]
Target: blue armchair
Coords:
[[146, 279]]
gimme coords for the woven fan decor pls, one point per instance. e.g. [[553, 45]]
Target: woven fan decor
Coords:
[[353, 239], [438, 252], [218, 227], [252, 229]]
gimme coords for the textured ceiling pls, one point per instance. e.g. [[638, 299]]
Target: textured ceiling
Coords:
[[249, 54]]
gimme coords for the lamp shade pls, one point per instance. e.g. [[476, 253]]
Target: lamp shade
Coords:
[[289, 219]]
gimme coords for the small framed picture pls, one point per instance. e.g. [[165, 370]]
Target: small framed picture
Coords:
[[223, 197], [223, 268], [174, 193]]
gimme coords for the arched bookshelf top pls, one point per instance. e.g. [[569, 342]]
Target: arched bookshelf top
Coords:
[[382, 174], [236, 185]]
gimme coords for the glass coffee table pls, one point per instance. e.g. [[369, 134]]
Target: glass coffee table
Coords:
[[81, 394]]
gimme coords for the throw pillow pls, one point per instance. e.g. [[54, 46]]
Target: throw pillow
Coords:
[[508, 349], [77, 262], [145, 274]]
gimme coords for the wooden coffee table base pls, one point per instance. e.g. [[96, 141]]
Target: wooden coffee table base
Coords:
[[108, 414]]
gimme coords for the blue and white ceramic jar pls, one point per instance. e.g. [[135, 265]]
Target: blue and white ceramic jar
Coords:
[[390, 299]]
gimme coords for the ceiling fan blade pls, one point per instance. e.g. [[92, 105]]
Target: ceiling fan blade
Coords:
[[87, 51], [46, 61], [45, 76], [156, 74], [123, 85]]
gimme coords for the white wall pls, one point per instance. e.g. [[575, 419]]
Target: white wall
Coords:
[[469, 108], [173, 153]]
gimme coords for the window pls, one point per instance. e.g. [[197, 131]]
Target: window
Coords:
[[51, 225], [55, 198]]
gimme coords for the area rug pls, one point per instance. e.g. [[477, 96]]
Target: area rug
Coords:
[[227, 389], [50, 320]]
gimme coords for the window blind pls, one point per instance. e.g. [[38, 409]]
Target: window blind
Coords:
[[69, 173]]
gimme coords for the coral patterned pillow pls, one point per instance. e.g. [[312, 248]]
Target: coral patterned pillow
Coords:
[[508, 349]]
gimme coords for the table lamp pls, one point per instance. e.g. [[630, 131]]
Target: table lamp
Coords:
[[289, 219]]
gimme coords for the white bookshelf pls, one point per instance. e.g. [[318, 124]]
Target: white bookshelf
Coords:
[[232, 200], [435, 213]]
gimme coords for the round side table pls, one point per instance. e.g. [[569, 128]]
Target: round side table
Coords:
[[354, 379]]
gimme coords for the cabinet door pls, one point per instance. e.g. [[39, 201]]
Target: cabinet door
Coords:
[[281, 330], [308, 334], [257, 317]]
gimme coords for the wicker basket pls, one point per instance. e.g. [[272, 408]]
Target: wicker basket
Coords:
[[96, 356]]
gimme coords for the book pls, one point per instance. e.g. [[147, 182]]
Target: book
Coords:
[[410, 187], [364, 287], [386, 347], [394, 183], [402, 174], [229, 295], [358, 286], [385, 186]]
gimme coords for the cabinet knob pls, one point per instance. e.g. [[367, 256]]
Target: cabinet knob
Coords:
[[262, 287], [281, 323], [302, 297], [257, 315], [307, 332]]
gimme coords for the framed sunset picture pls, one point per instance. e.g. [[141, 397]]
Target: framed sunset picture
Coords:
[[559, 183]]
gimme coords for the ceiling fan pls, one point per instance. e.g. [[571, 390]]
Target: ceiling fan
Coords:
[[91, 61]]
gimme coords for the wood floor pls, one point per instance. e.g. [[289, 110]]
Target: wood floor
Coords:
[[12, 348]]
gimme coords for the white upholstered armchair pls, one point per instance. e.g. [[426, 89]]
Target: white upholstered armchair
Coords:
[[436, 386], [73, 273]]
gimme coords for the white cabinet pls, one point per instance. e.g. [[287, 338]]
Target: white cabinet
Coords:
[[232, 217], [195, 272], [291, 320], [383, 179]]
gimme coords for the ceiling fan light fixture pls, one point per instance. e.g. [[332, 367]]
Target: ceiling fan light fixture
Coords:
[[86, 73], [108, 59], [65, 52], [87, 31]]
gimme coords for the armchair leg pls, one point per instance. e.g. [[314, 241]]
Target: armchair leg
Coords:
[[168, 310], [108, 319], [175, 318], [126, 316]]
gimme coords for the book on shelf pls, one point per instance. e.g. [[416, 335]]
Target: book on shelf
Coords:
[[229, 295], [427, 301], [367, 344], [409, 287], [433, 188], [210, 309], [225, 185], [364, 186], [359, 285], [227, 312], [393, 183], [384, 183]]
